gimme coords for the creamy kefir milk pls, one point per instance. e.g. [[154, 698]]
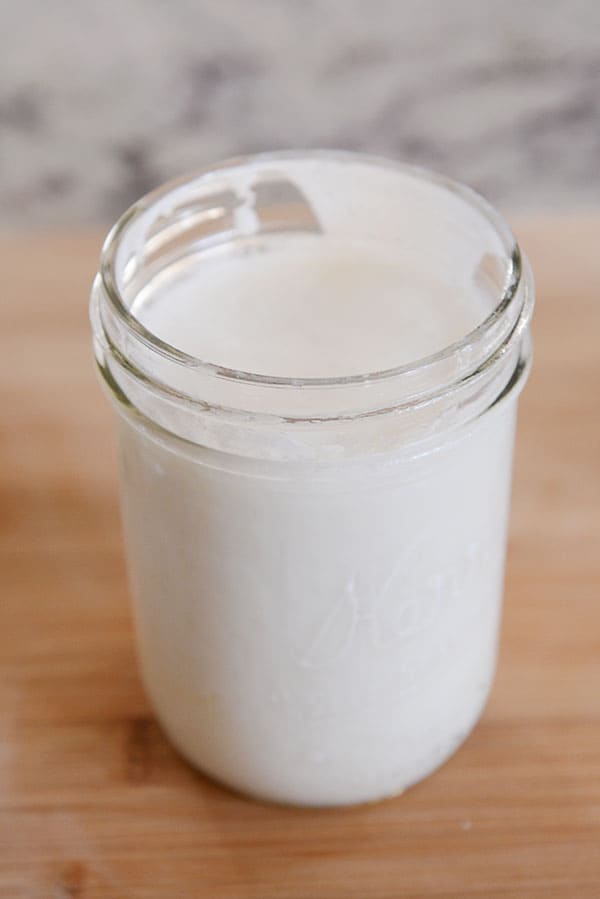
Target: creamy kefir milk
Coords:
[[316, 361]]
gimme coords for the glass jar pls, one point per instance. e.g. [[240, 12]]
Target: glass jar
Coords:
[[316, 562]]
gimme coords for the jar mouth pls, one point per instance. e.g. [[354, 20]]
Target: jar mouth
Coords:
[[274, 416], [407, 371]]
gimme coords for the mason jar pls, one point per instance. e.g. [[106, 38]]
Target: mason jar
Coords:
[[316, 549]]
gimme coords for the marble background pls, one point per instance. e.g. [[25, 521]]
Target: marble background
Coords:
[[101, 100]]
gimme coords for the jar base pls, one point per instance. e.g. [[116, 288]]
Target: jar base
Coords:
[[271, 798]]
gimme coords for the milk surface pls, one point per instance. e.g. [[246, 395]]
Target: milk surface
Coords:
[[316, 633], [307, 306]]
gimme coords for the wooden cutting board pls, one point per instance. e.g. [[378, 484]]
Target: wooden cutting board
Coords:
[[94, 802]]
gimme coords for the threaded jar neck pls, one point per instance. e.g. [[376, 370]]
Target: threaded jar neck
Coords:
[[251, 205]]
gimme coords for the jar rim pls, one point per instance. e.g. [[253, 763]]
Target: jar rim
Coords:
[[108, 277]]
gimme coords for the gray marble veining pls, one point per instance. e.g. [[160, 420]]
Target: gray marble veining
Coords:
[[99, 102]]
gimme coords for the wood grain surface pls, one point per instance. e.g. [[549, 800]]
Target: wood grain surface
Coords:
[[95, 803]]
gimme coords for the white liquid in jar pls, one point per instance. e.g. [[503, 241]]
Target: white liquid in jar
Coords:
[[307, 307], [316, 634]]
